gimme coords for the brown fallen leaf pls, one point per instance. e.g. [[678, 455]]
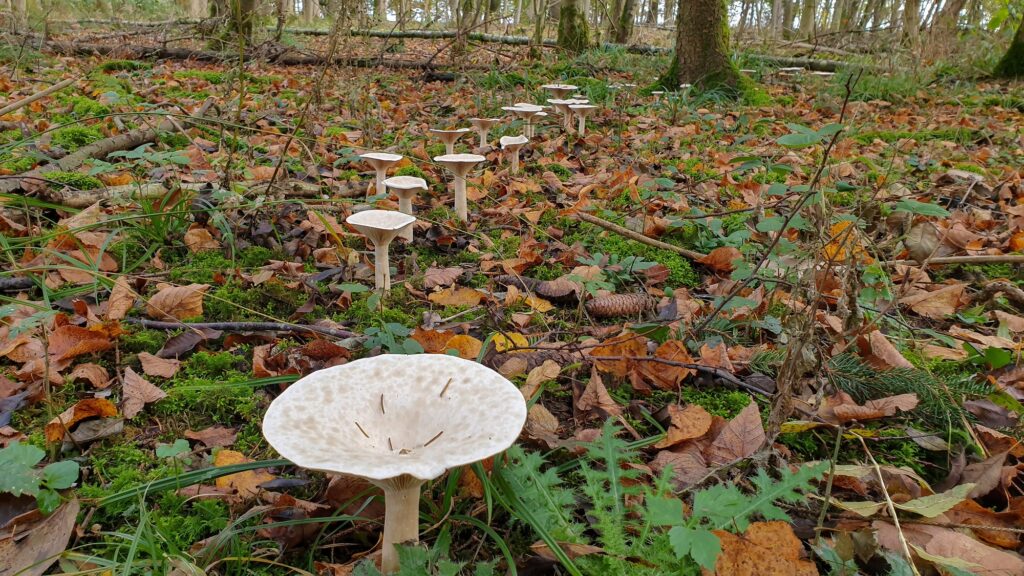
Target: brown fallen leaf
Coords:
[[716, 357], [85, 408], [441, 277], [546, 372], [722, 259], [845, 409], [687, 423], [213, 437], [666, 376], [245, 484], [571, 550], [741, 437], [92, 373], [160, 367], [432, 341], [137, 392], [69, 341], [35, 547], [625, 345], [467, 346], [949, 544], [177, 302], [456, 296], [880, 353], [765, 549], [121, 300], [936, 304], [687, 463], [595, 397], [542, 425], [199, 239]]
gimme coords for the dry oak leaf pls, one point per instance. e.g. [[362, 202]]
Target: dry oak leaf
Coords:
[[214, 436], [873, 409], [595, 397], [456, 296], [85, 408], [69, 341], [936, 304], [245, 484], [465, 345], [949, 546], [765, 549], [722, 259], [198, 239], [138, 392], [687, 423], [177, 302], [92, 373], [121, 300], [741, 437], [625, 345], [157, 366]]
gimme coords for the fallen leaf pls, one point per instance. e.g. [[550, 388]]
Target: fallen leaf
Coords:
[[880, 353], [570, 549], [456, 296], [936, 304], [35, 547], [137, 392], [546, 372], [245, 484], [177, 302], [542, 425], [467, 346], [765, 549], [157, 366], [595, 397], [722, 259], [509, 341], [626, 346], [85, 408], [121, 300], [686, 461], [69, 341], [214, 437], [873, 409], [441, 277], [741, 437], [432, 341], [199, 239], [687, 423], [92, 373], [948, 544]]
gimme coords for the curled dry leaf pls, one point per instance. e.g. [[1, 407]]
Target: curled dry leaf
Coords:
[[722, 259], [878, 351], [245, 484], [542, 425], [177, 302], [69, 341], [456, 296], [92, 373], [687, 423], [946, 546], [36, 546], [936, 304], [441, 277], [841, 408], [214, 436], [547, 371], [667, 376], [199, 239], [625, 345], [687, 461], [157, 366], [467, 346], [138, 392], [741, 437], [595, 397], [85, 408], [121, 300]]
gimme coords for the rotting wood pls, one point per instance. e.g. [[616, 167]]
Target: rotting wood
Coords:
[[613, 227]]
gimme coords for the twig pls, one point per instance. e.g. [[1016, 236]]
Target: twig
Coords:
[[30, 99], [242, 327], [891, 507], [989, 291], [981, 259], [613, 227], [14, 284]]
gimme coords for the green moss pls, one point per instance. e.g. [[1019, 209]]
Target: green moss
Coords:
[[211, 364], [562, 172], [10, 136], [547, 271], [361, 316], [573, 30], [681, 273], [211, 76], [72, 138], [86, 107], [143, 341], [174, 140], [74, 180], [411, 170], [233, 302], [718, 402], [958, 135], [123, 66], [16, 164]]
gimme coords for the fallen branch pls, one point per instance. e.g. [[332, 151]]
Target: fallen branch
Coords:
[[98, 149], [15, 284], [691, 254], [146, 190], [981, 259], [241, 327], [41, 94]]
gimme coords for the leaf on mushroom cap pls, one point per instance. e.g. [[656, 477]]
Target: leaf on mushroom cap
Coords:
[[393, 415]]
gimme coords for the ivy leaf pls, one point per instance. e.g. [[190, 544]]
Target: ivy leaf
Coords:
[[60, 475]]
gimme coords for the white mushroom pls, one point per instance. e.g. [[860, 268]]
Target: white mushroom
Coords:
[[381, 227], [482, 126], [396, 421], [449, 137], [562, 107], [513, 144], [460, 165], [657, 94], [525, 112], [582, 111], [560, 91], [380, 162], [406, 187]]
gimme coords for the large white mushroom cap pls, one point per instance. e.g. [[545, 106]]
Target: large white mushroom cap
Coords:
[[406, 183], [380, 158], [392, 415], [380, 226], [514, 142]]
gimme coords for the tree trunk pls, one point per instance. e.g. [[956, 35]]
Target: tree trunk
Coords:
[[310, 10], [652, 13], [614, 8], [573, 31], [807, 15], [197, 9], [624, 28], [701, 54], [1012, 64], [835, 23], [776, 21], [948, 19], [787, 17], [744, 13], [20, 10], [911, 22], [380, 13]]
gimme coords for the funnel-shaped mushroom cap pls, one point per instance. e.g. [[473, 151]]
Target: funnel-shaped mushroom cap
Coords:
[[566, 87], [459, 163], [484, 123], [446, 135], [406, 183], [528, 106], [380, 226], [582, 109], [392, 415], [378, 160], [513, 142]]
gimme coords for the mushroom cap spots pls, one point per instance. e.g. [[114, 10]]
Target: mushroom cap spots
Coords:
[[394, 415]]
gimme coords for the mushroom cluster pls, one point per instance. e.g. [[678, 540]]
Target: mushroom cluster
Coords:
[[397, 421]]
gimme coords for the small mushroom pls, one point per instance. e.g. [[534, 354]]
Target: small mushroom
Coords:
[[406, 187], [397, 421], [582, 111], [657, 94], [513, 144], [449, 137], [560, 91], [482, 126], [381, 227], [562, 107], [525, 112], [460, 165], [380, 162]]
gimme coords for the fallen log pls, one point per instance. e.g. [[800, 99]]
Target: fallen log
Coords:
[[149, 190], [99, 150]]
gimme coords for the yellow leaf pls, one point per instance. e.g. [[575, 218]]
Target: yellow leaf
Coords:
[[504, 342], [456, 296], [467, 346], [246, 484]]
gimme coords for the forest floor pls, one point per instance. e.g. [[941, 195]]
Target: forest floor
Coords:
[[785, 351]]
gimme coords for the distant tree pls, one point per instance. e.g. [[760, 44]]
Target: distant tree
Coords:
[[1012, 64], [701, 54], [573, 31]]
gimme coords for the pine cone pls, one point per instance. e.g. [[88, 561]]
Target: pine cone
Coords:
[[620, 305]]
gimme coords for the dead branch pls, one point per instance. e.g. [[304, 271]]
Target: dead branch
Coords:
[[242, 327], [41, 94], [613, 227]]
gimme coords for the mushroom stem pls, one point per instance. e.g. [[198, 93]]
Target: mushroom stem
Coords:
[[582, 128], [515, 160], [461, 208], [449, 147], [401, 520], [382, 263], [529, 128], [405, 207], [567, 120], [382, 174], [483, 137]]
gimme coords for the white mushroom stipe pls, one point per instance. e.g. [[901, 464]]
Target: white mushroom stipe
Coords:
[[482, 127], [381, 227], [449, 137], [460, 165], [380, 162], [405, 188], [582, 111], [525, 112], [442, 412], [513, 144]]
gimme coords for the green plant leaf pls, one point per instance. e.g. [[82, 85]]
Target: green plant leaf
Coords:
[[705, 548], [48, 501], [665, 511], [932, 506], [60, 475], [798, 140], [920, 208]]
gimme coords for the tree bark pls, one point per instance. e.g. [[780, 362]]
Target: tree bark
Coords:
[[1012, 63], [573, 30], [702, 47], [624, 29], [652, 13], [310, 10], [911, 22], [20, 10], [807, 14]]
